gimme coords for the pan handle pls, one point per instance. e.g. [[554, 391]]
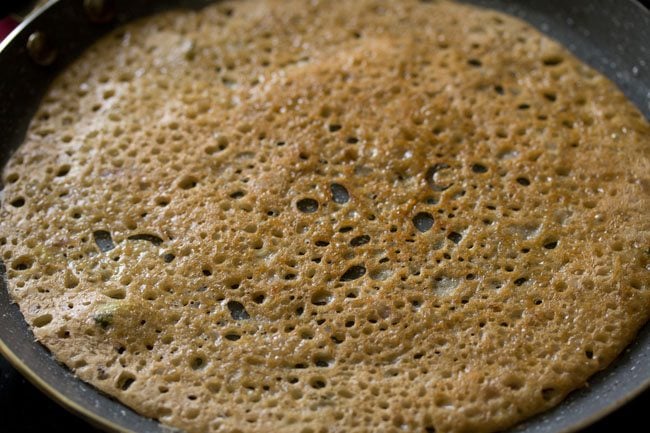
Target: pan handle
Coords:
[[13, 12], [7, 24]]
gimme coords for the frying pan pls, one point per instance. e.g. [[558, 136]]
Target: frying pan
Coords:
[[612, 36]]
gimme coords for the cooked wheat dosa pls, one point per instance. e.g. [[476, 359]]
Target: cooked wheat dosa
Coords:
[[319, 216]]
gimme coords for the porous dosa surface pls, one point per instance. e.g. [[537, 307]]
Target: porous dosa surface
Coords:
[[325, 216]]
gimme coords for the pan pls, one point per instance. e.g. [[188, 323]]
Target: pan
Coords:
[[611, 36]]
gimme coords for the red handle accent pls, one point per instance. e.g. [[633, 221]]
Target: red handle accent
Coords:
[[7, 24]]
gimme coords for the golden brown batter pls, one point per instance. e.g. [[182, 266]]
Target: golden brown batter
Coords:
[[320, 216]]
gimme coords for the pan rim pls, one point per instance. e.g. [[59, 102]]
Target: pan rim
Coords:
[[8, 40], [57, 396], [5, 351], [109, 426]]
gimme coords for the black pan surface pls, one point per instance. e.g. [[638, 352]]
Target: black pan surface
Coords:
[[611, 35]]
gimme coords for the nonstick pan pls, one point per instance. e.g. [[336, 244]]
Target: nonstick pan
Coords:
[[611, 35]]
